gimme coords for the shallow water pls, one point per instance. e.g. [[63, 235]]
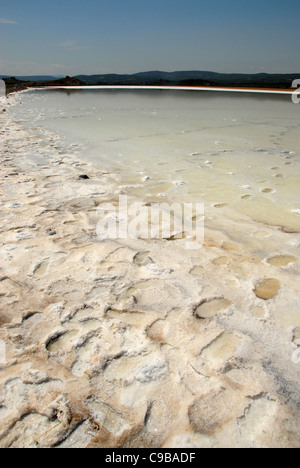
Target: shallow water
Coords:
[[229, 151]]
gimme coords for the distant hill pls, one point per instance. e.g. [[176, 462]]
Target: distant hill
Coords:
[[13, 84], [193, 78], [32, 78]]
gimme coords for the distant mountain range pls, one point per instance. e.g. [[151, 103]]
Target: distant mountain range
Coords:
[[159, 78], [193, 78]]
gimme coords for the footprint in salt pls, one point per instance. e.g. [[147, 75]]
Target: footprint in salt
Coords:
[[267, 190], [40, 269], [230, 246], [266, 289], [246, 197], [60, 340], [211, 411], [220, 261], [281, 260], [223, 347], [210, 307]]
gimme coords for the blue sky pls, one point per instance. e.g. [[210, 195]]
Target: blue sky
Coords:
[[126, 36]]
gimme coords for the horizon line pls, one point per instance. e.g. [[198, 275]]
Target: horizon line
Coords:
[[171, 88]]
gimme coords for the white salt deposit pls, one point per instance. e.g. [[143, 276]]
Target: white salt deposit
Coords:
[[142, 342]]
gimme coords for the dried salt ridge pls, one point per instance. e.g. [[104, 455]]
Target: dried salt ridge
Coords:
[[135, 343]]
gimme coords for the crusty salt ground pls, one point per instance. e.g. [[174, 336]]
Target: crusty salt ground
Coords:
[[135, 343]]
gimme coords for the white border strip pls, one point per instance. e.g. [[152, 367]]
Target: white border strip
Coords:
[[173, 88]]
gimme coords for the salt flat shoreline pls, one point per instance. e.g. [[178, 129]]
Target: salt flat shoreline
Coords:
[[134, 343], [178, 88]]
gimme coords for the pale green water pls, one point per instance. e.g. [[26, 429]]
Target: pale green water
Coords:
[[222, 149]]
